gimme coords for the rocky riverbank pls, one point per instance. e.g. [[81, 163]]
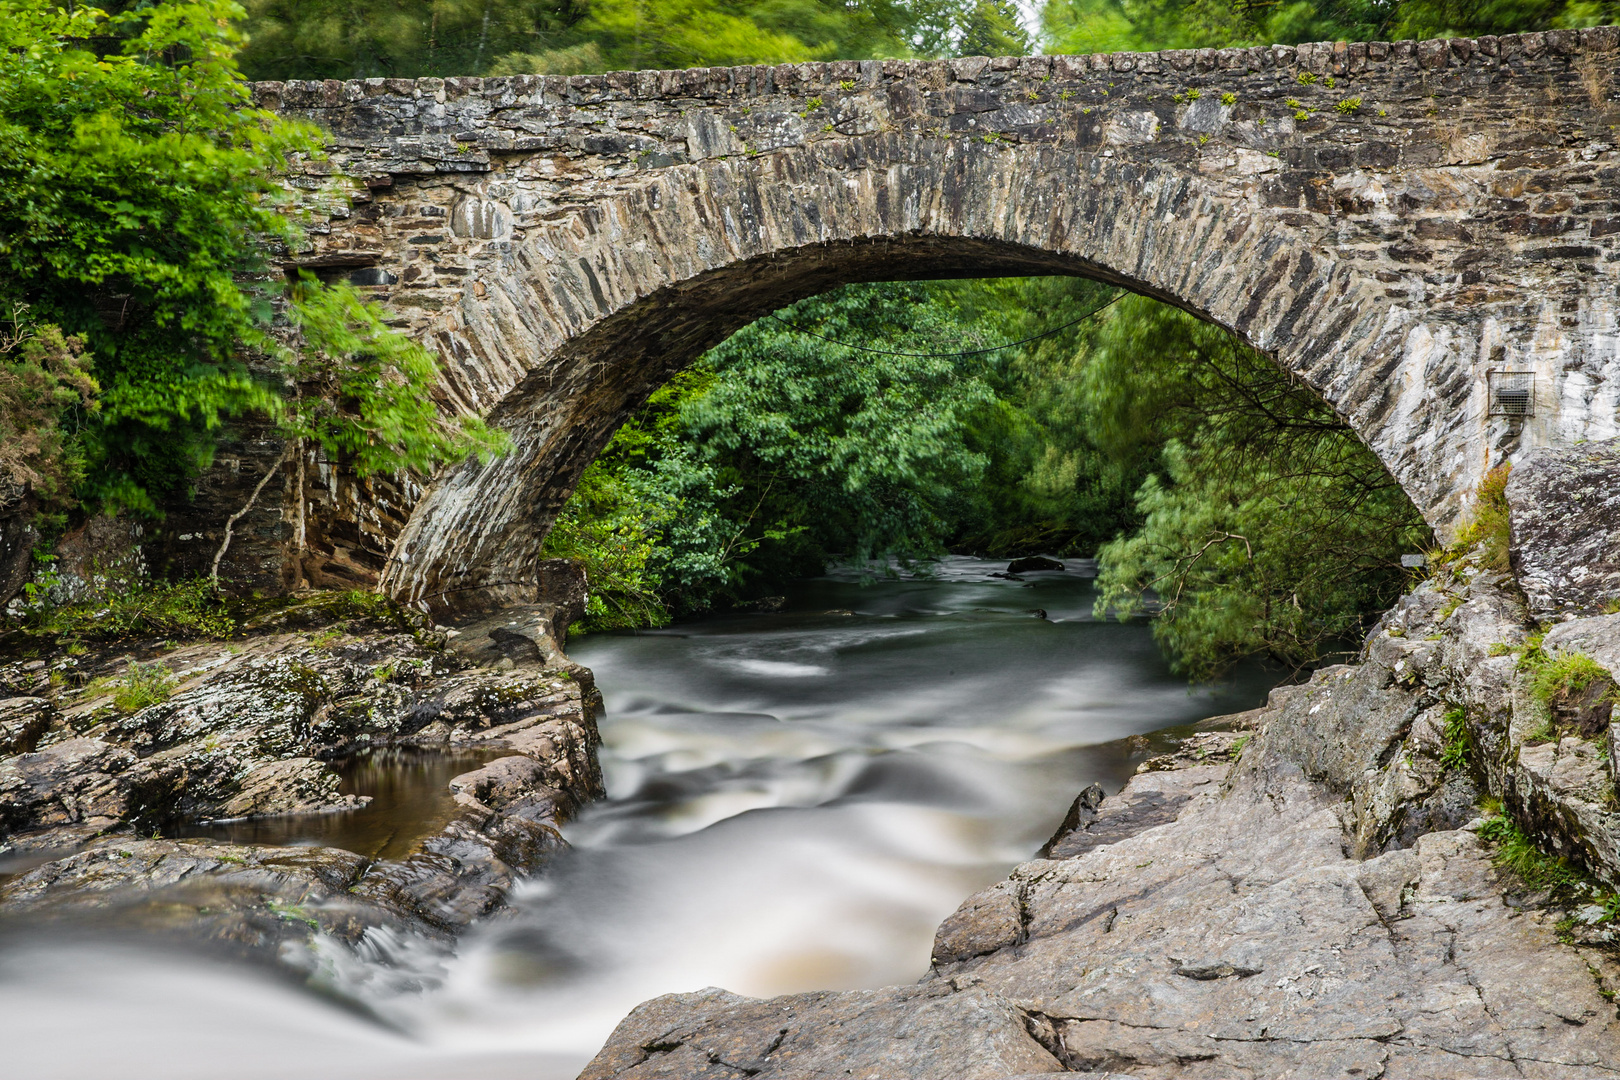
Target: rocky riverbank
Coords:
[[1405, 866], [1406, 872], [251, 727]]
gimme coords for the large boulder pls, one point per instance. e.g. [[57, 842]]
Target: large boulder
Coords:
[[1564, 506]]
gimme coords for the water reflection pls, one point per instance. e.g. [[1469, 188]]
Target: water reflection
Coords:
[[410, 799]]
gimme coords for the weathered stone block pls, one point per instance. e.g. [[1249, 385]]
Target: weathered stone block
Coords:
[[1565, 513]]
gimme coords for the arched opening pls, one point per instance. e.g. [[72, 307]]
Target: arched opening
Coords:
[[771, 777], [476, 538], [1006, 418]]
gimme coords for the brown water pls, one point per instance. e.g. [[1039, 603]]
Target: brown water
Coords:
[[410, 799]]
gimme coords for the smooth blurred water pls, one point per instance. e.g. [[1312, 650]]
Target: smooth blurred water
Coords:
[[795, 801]]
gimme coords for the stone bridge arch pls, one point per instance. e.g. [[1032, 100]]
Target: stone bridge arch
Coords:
[[1397, 224]]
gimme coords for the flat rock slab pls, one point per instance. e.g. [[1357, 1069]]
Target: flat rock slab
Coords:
[[1237, 940]]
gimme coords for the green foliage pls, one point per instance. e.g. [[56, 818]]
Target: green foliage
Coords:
[[182, 610], [1237, 504], [1566, 676], [617, 537], [1459, 745], [134, 182], [142, 685], [1488, 526], [364, 390], [46, 390], [780, 447], [1271, 529], [1518, 854], [1112, 25], [139, 191], [321, 39]]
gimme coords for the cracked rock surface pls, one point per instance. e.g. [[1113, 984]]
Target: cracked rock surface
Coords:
[[1320, 907], [1237, 940], [250, 730]]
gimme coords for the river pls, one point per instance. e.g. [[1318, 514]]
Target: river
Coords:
[[795, 801]]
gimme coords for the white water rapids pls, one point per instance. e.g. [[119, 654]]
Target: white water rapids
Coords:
[[795, 802]]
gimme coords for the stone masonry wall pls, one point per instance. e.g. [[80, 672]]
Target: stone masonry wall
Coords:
[[1399, 224]]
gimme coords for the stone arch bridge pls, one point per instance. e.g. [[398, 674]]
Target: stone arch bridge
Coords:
[[1426, 233]]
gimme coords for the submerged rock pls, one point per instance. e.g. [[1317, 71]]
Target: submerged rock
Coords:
[[1033, 563]]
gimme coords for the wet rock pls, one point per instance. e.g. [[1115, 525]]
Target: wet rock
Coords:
[[1565, 513], [1082, 815], [292, 786], [271, 700], [1033, 563], [263, 903], [249, 732], [76, 782], [1156, 796], [22, 721], [1200, 748]]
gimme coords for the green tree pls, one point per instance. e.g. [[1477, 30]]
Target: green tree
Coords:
[[357, 39], [1109, 25], [785, 445], [139, 193], [1269, 528], [45, 385], [319, 39]]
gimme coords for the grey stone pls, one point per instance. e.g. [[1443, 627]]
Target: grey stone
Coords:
[[1597, 637], [1565, 513], [565, 249], [922, 1031], [22, 721]]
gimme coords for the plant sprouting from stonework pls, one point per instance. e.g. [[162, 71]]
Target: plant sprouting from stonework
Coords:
[[365, 392], [1306, 78], [1488, 525], [1349, 106]]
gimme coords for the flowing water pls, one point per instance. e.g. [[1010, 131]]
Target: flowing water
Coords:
[[795, 801]]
